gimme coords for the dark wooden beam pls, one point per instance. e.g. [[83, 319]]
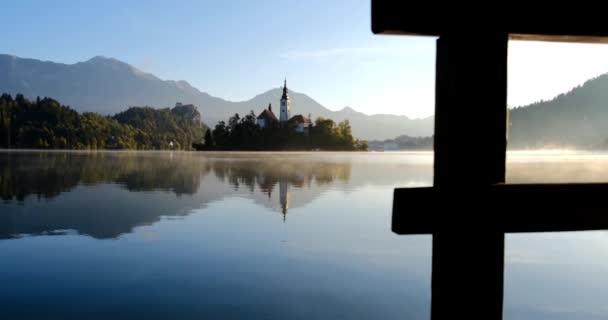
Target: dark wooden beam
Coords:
[[465, 211], [503, 208], [471, 111], [470, 149], [575, 23]]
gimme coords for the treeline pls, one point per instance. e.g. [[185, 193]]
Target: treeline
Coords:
[[403, 142], [577, 119], [46, 124], [243, 133]]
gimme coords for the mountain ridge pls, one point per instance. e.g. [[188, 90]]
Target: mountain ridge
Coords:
[[108, 85], [577, 118]]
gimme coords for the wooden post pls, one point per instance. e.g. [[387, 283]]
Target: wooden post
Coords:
[[470, 151]]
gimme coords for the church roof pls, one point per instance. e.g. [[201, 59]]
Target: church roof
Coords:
[[267, 115], [298, 118]]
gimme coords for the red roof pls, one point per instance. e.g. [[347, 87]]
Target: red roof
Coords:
[[299, 119], [267, 115]]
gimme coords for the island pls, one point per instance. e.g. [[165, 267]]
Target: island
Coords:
[[47, 124], [293, 133]]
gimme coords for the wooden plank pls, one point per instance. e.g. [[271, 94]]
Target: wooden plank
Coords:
[[530, 22], [556, 37], [503, 208]]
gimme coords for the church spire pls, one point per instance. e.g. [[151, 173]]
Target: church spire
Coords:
[[285, 104], [284, 89]]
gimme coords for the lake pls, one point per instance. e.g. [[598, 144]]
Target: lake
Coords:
[[186, 235]]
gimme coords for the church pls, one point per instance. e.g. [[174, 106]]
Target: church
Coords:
[[300, 123]]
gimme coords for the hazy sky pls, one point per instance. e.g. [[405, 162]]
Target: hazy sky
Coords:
[[237, 49]]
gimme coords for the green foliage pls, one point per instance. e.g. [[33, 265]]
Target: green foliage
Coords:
[[209, 139], [244, 134], [575, 119], [46, 124], [162, 129], [328, 135], [100, 132]]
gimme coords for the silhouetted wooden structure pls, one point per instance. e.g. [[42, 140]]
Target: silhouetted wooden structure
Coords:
[[469, 208]]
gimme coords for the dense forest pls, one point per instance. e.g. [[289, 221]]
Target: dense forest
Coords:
[[243, 133], [46, 124], [575, 119]]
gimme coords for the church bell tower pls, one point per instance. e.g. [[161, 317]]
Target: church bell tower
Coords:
[[285, 104]]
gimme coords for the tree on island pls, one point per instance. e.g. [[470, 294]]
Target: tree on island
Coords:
[[243, 133]]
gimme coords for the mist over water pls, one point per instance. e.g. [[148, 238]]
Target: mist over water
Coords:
[[259, 236], [556, 166], [559, 275]]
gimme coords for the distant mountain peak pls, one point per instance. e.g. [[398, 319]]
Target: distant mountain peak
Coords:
[[182, 84], [99, 57], [348, 109], [104, 59]]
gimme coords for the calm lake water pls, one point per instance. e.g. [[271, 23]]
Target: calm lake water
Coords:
[[158, 235]]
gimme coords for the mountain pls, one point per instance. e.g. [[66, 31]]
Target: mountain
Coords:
[[576, 119], [103, 85], [108, 86]]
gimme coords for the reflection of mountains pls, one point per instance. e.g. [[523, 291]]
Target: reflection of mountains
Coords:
[[105, 194]]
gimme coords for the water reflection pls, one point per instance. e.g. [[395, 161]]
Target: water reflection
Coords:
[[267, 174], [160, 235], [106, 194], [48, 174], [203, 235]]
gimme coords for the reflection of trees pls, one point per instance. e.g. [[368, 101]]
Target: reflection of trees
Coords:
[[181, 175], [47, 174], [107, 212], [26, 174], [267, 173]]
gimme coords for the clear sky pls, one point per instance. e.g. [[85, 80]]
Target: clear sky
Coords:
[[239, 48]]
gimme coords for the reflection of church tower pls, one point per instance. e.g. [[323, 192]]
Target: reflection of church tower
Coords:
[[284, 196], [285, 104]]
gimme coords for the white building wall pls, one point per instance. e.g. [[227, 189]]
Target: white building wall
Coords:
[[285, 110]]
